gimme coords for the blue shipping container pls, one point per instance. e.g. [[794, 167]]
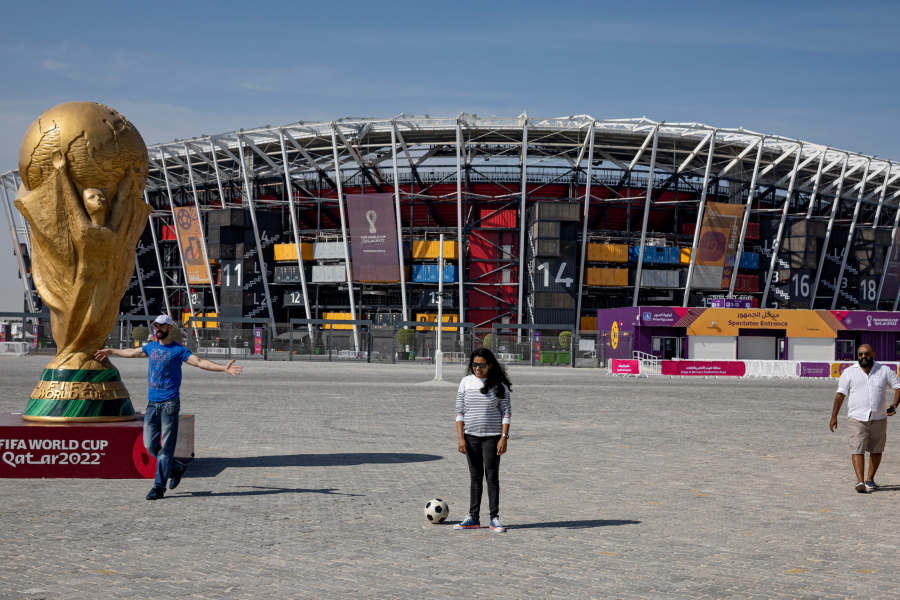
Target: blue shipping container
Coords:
[[429, 273], [750, 260]]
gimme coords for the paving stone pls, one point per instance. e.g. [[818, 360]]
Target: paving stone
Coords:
[[311, 478]]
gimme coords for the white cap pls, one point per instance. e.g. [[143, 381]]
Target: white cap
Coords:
[[163, 320]]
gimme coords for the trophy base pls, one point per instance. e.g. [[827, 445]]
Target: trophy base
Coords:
[[79, 395]]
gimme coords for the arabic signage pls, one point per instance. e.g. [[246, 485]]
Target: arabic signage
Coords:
[[190, 240], [619, 366], [82, 450], [703, 368], [815, 369], [373, 238]]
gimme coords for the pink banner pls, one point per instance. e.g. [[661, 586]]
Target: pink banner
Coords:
[[704, 368], [620, 366]]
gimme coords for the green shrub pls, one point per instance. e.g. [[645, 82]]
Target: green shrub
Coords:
[[405, 337], [565, 339], [140, 333], [487, 341]]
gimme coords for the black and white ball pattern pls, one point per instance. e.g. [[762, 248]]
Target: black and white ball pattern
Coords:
[[436, 510]]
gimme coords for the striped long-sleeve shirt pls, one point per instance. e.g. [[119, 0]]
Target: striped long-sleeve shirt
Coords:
[[483, 414]]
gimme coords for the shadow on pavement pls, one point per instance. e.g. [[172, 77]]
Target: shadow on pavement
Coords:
[[575, 524], [211, 467], [887, 488], [261, 491]]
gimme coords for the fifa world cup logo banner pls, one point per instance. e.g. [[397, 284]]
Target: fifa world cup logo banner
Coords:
[[83, 169], [373, 238], [717, 245]]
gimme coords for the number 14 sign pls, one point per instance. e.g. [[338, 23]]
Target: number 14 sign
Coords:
[[553, 275]]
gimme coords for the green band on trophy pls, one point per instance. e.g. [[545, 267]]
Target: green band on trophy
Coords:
[[80, 375], [82, 410]]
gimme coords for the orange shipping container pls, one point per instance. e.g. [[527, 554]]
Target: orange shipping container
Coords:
[[606, 277], [685, 256], [423, 249], [588, 324], [617, 253], [285, 252]]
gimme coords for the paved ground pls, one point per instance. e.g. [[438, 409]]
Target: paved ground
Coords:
[[311, 480]]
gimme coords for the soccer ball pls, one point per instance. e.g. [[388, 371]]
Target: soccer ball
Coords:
[[436, 510]]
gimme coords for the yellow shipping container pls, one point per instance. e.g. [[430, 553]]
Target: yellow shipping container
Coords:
[[432, 318], [198, 323], [607, 277], [289, 251], [617, 253], [685, 256], [423, 249], [337, 316], [588, 324]]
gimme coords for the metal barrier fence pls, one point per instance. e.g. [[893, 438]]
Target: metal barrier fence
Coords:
[[334, 340]]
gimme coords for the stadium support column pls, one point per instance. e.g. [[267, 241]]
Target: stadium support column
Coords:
[[295, 230], [159, 265], [400, 221], [824, 251], [215, 162], [815, 190], [523, 157], [700, 209], [887, 174], [887, 259], [347, 268], [776, 245], [187, 287], [647, 199], [750, 194], [459, 229], [584, 228], [212, 283], [259, 249], [859, 197], [17, 250]]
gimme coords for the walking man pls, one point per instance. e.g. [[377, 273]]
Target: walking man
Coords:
[[164, 406], [864, 383]]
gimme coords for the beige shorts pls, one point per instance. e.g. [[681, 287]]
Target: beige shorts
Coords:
[[867, 436]]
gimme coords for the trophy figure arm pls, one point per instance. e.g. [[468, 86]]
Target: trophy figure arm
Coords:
[[78, 218]]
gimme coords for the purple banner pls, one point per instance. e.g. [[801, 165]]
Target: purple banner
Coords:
[[373, 238], [865, 320], [660, 316], [619, 326], [815, 369]]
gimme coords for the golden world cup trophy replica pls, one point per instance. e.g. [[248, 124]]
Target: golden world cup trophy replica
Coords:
[[83, 169]]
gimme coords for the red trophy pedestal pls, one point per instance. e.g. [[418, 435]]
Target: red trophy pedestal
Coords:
[[113, 450]]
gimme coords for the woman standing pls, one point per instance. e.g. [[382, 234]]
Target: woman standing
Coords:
[[482, 430]]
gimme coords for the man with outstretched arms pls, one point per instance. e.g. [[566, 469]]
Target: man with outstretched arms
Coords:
[[164, 401], [864, 384]]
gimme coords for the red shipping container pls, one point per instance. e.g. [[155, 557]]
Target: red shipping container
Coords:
[[747, 283], [752, 231], [492, 218], [168, 233]]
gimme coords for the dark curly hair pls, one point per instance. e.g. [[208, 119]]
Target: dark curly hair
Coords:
[[496, 375]]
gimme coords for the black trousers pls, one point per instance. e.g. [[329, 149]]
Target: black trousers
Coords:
[[484, 463]]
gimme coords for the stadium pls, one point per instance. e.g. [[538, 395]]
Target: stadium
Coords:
[[545, 222]]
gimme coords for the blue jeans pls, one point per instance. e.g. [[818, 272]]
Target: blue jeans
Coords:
[[160, 434]]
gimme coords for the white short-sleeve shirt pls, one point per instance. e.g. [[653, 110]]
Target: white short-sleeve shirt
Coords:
[[866, 393]]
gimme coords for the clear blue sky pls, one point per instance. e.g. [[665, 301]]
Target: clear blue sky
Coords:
[[826, 72]]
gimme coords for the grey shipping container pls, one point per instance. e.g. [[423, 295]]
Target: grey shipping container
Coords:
[[328, 251], [659, 278], [545, 230], [329, 273], [557, 211], [228, 217], [546, 247], [553, 300]]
